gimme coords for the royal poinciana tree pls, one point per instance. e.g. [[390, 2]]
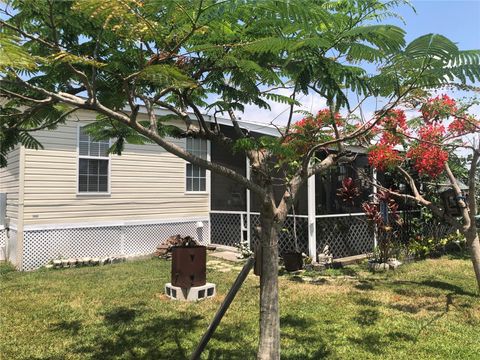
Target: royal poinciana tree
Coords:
[[420, 150], [192, 57]]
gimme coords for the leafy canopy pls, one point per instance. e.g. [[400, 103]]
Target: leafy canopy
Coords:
[[219, 56]]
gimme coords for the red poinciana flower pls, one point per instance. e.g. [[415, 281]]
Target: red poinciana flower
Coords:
[[324, 118], [438, 108], [349, 191], [389, 138], [394, 120], [431, 133], [315, 123], [427, 155], [464, 125], [428, 159], [383, 157]]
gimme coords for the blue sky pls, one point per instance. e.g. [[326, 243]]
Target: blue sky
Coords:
[[458, 20]]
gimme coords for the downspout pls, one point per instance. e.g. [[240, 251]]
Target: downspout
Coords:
[[20, 214]]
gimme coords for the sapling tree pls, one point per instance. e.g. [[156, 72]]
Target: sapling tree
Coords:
[[420, 150], [194, 57]]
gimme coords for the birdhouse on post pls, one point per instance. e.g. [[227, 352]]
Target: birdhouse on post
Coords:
[[450, 200]]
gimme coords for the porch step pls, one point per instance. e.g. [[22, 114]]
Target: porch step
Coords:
[[225, 248], [348, 260]]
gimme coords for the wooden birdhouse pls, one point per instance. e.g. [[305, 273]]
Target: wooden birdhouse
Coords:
[[449, 198]]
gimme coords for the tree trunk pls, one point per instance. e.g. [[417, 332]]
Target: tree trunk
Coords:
[[269, 342], [474, 244]]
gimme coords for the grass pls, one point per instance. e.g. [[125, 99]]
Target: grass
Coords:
[[424, 310]]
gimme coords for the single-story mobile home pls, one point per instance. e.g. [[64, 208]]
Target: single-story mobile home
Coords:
[[72, 199]]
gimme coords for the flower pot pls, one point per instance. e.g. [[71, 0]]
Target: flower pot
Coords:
[[293, 261], [189, 266], [378, 267]]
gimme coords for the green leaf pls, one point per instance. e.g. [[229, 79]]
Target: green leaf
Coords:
[[164, 75], [65, 57], [13, 56]]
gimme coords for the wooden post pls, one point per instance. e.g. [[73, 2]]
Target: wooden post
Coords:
[[374, 191], [312, 231], [223, 309], [249, 235]]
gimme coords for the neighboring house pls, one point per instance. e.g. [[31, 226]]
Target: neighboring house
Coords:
[[72, 199]]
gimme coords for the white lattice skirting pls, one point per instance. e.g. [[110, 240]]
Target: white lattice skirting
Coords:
[[3, 237], [3, 243], [44, 244]]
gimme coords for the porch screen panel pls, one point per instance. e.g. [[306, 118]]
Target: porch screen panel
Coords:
[[227, 194]]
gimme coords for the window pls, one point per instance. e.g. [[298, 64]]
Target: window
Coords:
[[196, 177], [93, 164]]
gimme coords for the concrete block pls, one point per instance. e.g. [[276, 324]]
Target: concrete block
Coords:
[[190, 294]]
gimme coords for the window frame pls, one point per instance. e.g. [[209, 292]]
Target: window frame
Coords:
[[108, 158], [207, 175]]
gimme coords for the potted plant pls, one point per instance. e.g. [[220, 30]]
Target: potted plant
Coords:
[[293, 260]]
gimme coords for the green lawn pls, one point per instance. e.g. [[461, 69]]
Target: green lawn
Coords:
[[425, 310]]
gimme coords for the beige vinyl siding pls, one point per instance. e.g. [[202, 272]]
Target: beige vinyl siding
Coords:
[[146, 183], [9, 182]]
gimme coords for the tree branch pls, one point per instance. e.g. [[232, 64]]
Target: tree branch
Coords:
[[19, 96], [236, 126], [419, 199], [329, 161], [27, 35], [472, 202], [459, 198]]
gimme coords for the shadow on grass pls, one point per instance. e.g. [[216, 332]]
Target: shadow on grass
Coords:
[[128, 335], [367, 317], [120, 316], [371, 342], [231, 347], [71, 327], [399, 335], [364, 285], [411, 309], [457, 290], [367, 302], [296, 322], [433, 284], [296, 329]]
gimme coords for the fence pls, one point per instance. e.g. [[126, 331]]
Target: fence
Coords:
[[345, 234]]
